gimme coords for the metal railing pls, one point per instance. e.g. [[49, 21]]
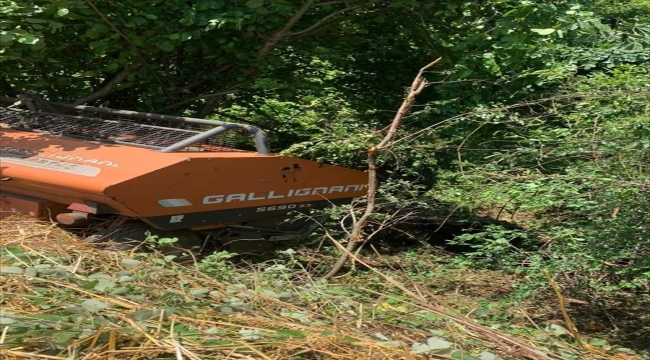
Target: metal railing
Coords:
[[164, 133]]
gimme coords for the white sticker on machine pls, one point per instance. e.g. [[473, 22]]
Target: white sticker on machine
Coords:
[[174, 202], [53, 165], [176, 219]]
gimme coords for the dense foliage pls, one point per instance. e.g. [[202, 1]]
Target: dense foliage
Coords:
[[538, 113]]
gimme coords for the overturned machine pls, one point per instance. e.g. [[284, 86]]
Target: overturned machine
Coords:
[[173, 176]]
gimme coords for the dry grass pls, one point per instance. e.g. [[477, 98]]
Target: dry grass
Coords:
[[71, 300]]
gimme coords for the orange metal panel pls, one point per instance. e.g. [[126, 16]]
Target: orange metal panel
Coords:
[[59, 195], [43, 209], [11, 206], [139, 182], [208, 184], [80, 165]]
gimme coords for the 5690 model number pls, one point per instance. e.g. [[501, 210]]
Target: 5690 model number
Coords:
[[283, 207]]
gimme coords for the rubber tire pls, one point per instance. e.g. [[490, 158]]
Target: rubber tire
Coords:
[[129, 235]]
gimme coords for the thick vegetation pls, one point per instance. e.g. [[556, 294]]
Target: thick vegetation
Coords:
[[64, 299], [538, 114]]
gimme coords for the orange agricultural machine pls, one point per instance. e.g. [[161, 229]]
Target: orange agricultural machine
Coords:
[[173, 176]]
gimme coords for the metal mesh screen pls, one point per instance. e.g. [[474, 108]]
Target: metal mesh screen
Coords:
[[128, 129]]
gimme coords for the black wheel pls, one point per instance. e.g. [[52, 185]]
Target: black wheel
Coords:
[[129, 235]]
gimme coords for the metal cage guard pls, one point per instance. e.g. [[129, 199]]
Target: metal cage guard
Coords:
[[35, 103]]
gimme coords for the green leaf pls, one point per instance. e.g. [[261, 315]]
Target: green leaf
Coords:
[[103, 285], [28, 39], [64, 336], [166, 46], [213, 331], [419, 348], [130, 263], [381, 336], [598, 342], [35, 21], [199, 292], [255, 3], [543, 31], [268, 293], [6, 37], [138, 20], [13, 249], [100, 276], [7, 320], [427, 315], [144, 315], [63, 12], [459, 355], [285, 333], [89, 285], [226, 309], [250, 334], [436, 343], [285, 296], [120, 290], [486, 355], [11, 270], [94, 306]]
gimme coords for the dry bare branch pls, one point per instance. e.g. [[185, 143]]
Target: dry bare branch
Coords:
[[356, 233]]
